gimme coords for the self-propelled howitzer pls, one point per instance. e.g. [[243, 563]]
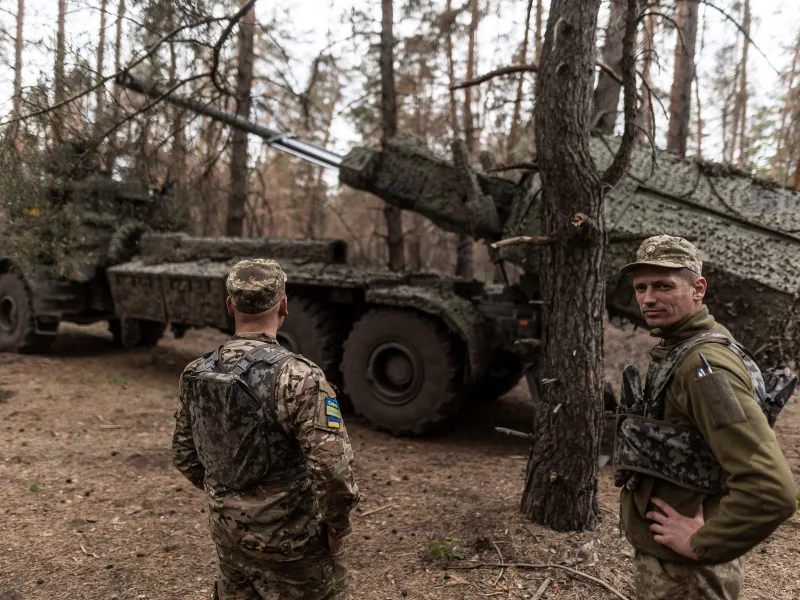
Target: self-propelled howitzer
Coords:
[[746, 228]]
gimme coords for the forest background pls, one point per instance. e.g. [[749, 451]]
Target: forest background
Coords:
[[314, 72]]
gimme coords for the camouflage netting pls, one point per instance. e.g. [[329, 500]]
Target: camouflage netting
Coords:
[[66, 219]]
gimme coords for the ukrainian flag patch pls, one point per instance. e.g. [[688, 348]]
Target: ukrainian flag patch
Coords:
[[333, 416]]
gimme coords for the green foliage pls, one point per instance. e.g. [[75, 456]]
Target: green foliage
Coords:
[[444, 549], [35, 486]]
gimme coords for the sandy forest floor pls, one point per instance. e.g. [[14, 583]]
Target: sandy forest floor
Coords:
[[90, 506]]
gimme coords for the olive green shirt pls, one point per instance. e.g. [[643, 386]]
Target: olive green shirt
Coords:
[[762, 492]]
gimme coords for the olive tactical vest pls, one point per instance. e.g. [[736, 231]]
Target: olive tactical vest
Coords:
[[647, 445], [234, 423]]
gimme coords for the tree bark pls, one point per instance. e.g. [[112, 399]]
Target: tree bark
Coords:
[[393, 215], [645, 118], [111, 156], [606, 94], [785, 112], [58, 76], [18, 42], [464, 262], [244, 83], [101, 53], [797, 176], [743, 142], [561, 480], [538, 55], [451, 69], [680, 102], [699, 153], [178, 150], [513, 136]]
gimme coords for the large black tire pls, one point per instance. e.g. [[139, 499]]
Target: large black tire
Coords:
[[150, 332], [316, 333], [17, 322], [502, 376], [401, 372]]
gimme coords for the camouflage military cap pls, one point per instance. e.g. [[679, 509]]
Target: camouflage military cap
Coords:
[[255, 285], [667, 251]]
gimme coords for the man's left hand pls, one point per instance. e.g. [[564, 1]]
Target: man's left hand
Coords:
[[673, 529]]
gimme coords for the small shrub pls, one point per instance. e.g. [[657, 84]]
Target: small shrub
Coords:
[[444, 549]]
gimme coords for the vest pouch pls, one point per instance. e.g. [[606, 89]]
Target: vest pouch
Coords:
[[780, 384], [677, 454], [229, 429]]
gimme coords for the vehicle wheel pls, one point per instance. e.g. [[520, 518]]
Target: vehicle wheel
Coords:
[[401, 371], [315, 332], [148, 335], [502, 376], [17, 323]]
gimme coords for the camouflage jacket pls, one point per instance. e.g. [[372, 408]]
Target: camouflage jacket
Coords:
[[287, 520], [761, 491]]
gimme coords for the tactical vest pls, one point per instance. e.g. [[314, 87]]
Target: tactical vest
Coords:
[[234, 422], [647, 445]]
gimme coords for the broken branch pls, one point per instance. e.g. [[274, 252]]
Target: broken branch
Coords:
[[539, 240]]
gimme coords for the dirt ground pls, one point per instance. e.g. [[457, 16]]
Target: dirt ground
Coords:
[[91, 507]]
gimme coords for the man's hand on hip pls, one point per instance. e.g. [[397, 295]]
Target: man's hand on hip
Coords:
[[673, 529]]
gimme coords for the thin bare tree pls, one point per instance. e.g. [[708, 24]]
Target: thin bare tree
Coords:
[[393, 215], [244, 83], [680, 101]]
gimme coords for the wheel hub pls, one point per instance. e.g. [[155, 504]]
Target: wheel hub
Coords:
[[395, 373], [9, 315]]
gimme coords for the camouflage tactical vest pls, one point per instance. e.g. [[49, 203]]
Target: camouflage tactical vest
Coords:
[[234, 423], [647, 445]]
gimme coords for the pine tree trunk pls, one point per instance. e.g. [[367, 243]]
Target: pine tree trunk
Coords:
[[743, 143], [316, 221], [606, 94], [699, 154], [244, 83], [464, 262], [178, 150], [513, 136], [561, 480], [392, 214], [645, 117], [101, 53], [797, 176], [538, 55], [18, 67], [781, 133], [451, 71], [111, 156], [58, 78], [680, 102], [734, 141]]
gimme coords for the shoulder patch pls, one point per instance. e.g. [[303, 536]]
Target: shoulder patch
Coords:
[[716, 392], [329, 414]]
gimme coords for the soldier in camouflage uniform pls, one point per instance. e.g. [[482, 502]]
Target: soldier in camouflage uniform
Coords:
[[704, 479], [282, 536]]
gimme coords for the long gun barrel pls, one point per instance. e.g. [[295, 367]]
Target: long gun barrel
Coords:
[[281, 141], [403, 174]]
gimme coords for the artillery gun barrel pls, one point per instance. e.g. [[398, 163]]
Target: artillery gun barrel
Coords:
[[281, 141]]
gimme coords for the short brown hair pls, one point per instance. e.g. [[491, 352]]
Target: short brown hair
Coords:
[[688, 276]]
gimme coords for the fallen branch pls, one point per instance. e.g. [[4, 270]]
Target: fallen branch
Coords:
[[539, 240], [374, 510], [502, 570], [574, 572], [541, 589]]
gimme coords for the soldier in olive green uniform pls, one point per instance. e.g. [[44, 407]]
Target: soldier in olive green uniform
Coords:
[[280, 535], [704, 479]]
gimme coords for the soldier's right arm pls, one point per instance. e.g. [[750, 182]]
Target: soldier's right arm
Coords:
[[308, 409], [762, 491], [184, 452]]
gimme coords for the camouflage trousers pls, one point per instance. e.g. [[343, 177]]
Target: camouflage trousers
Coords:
[[240, 576], [657, 579]]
